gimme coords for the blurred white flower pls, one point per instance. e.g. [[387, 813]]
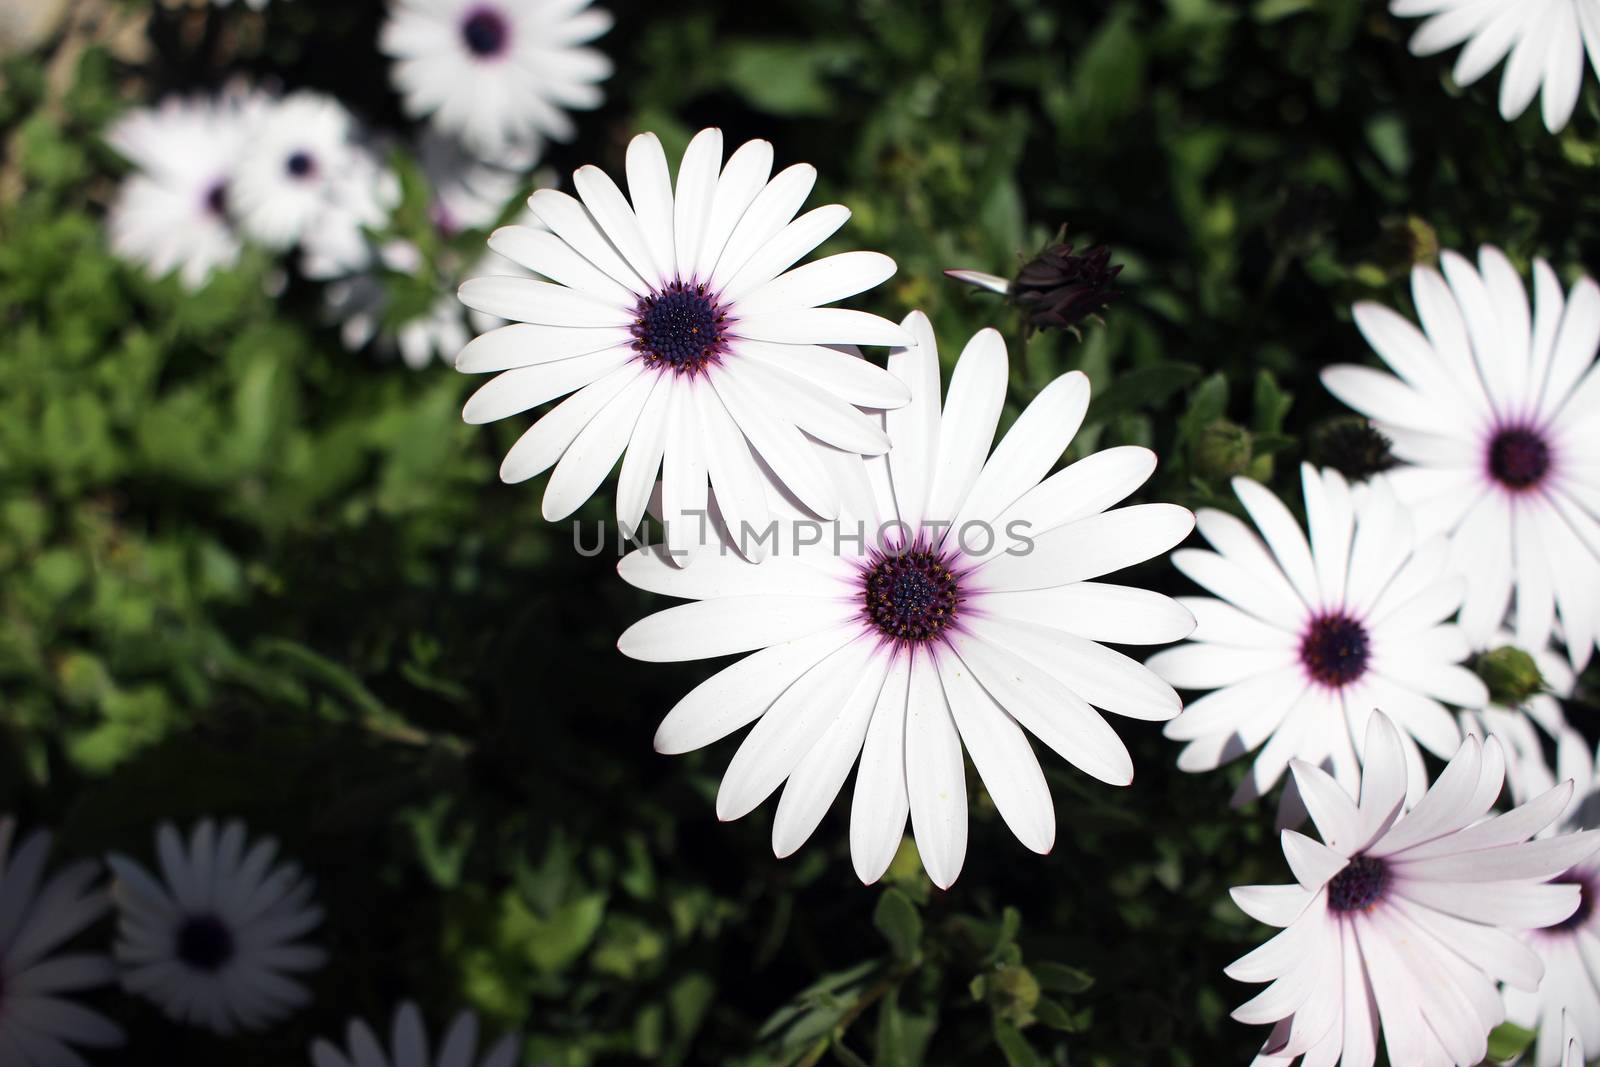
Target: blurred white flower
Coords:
[[408, 1045], [682, 340], [1545, 39], [38, 1024], [950, 611], [360, 304], [301, 168], [360, 198], [1403, 922], [172, 214], [468, 194], [1494, 413], [214, 940], [1568, 999], [1304, 640], [499, 74]]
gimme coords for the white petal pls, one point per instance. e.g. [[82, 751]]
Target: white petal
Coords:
[[1029, 449], [1090, 547], [764, 220], [650, 190], [936, 776], [693, 201], [571, 221], [914, 428], [971, 413], [1002, 756], [810, 790], [880, 805], [545, 303], [820, 282], [820, 326], [595, 451]]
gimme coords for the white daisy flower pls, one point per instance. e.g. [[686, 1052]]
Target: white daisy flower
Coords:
[[303, 162], [1568, 999], [951, 608], [408, 1045], [214, 940], [172, 214], [682, 340], [1401, 922], [1495, 417], [1303, 640], [1546, 40], [1522, 727], [499, 74], [38, 1023]]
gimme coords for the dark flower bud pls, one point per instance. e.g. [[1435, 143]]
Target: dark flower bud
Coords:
[[1059, 288], [1351, 446]]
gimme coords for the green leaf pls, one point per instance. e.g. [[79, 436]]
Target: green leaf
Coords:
[[1508, 1041], [1059, 978], [1141, 389], [1015, 1047], [897, 920]]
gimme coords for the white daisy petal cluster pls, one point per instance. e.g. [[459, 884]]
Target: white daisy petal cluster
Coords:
[[499, 75], [672, 317], [408, 1045], [1304, 638], [954, 609], [1493, 409], [1544, 39], [175, 214], [1401, 925], [215, 939], [39, 1022], [1567, 1002]]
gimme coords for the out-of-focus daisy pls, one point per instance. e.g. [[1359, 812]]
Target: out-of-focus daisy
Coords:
[[172, 214], [302, 161], [467, 193], [1523, 708], [499, 74], [408, 1045], [1569, 949], [1495, 417], [1304, 640], [951, 608], [1545, 39], [684, 338], [214, 940], [38, 1023], [357, 201], [1402, 922]]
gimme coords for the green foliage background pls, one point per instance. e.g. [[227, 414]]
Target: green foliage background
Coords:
[[245, 572]]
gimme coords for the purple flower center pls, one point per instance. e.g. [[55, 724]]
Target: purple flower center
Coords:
[[1360, 885], [486, 32], [1334, 650], [911, 597], [205, 943], [217, 200], [681, 328], [1586, 894], [1519, 457], [301, 165]]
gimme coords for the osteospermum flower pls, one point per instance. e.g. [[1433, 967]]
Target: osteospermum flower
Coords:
[[408, 1045], [1400, 923], [302, 169], [499, 74], [358, 200], [689, 341], [214, 940], [1493, 416], [467, 193], [1568, 999], [1303, 640], [38, 1022], [1545, 39], [172, 214], [951, 608]]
